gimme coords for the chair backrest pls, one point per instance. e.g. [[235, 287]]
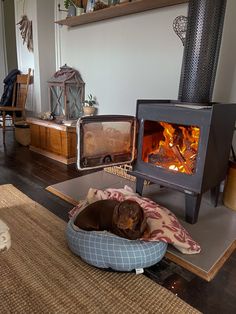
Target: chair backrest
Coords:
[[21, 89]]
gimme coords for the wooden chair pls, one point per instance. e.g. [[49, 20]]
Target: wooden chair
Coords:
[[20, 93]]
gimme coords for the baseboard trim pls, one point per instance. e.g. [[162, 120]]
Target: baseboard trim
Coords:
[[56, 157]]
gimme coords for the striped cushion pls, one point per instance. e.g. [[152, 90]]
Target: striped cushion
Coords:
[[105, 250]]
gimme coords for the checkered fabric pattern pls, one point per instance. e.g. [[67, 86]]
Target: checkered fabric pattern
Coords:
[[105, 250]]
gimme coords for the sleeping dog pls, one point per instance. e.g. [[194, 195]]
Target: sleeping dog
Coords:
[[125, 219]]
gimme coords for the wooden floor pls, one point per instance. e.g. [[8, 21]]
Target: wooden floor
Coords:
[[32, 173]]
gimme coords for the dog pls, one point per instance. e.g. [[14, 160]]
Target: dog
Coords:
[[125, 219]]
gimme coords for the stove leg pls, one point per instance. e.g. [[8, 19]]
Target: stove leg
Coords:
[[139, 185], [192, 205], [215, 192]]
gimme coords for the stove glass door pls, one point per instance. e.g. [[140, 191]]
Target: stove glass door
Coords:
[[105, 140]]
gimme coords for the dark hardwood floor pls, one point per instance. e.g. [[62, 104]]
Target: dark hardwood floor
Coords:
[[32, 173]]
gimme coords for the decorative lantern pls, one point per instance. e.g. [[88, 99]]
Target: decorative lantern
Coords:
[[66, 93]]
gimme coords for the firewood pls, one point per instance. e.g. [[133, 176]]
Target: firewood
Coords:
[[181, 159]]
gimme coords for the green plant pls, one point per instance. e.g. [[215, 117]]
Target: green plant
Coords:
[[90, 101], [75, 3]]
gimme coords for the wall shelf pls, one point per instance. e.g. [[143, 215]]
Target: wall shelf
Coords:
[[118, 10]]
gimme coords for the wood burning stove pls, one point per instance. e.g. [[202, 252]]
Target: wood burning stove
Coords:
[[182, 144], [184, 147]]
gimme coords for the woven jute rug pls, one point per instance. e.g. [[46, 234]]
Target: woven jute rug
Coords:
[[39, 274]]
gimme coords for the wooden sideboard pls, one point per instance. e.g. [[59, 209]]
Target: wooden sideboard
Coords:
[[53, 140]]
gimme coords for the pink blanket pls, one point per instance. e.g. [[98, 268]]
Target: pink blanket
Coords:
[[163, 225]]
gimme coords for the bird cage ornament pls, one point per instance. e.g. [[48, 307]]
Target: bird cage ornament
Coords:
[[66, 93]]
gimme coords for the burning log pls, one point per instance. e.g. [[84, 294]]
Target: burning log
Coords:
[[190, 156], [175, 149], [159, 159], [181, 159]]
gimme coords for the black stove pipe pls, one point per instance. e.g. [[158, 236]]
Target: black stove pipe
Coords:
[[201, 52]]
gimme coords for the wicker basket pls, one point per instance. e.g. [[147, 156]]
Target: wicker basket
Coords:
[[122, 171], [22, 133]]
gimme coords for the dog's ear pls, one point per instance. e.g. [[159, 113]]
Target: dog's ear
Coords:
[[143, 226], [115, 214], [143, 221]]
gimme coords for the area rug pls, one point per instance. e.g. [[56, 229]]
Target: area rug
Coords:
[[39, 274]]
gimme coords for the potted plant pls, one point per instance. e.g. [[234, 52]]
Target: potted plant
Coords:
[[75, 3], [74, 7], [88, 105]]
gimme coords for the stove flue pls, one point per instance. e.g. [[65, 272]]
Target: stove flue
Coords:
[[201, 51]]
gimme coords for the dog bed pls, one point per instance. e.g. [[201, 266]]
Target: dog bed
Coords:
[[105, 250]]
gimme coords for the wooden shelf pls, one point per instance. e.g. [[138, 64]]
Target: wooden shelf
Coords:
[[118, 10]]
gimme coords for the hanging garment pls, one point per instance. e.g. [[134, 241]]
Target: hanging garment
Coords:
[[6, 99]]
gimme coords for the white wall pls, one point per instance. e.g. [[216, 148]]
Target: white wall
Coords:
[[139, 56], [25, 58], [42, 59], [225, 85], [9, 22], [45, 49], [126, 58]]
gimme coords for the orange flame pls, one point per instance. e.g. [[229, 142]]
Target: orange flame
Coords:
[[174, 147]]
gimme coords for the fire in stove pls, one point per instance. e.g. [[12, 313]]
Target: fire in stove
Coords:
[[171, 146]]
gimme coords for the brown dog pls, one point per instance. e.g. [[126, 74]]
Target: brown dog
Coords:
[[125, 219]]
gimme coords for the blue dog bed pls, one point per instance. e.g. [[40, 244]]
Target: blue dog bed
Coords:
[[105, 250]]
